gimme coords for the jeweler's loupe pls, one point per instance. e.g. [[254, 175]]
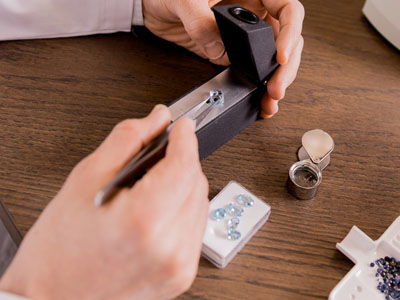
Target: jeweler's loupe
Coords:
[[305, 176]]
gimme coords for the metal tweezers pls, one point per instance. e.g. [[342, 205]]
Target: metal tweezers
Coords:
[[153, 152]]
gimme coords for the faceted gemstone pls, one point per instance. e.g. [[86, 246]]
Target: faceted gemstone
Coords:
[[235, 210], [388, 277], [245, 200], [218, 214], [217, 97], [234, 235], [233, 223]]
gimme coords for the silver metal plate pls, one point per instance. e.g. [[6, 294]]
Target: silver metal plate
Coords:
[[235, 87]]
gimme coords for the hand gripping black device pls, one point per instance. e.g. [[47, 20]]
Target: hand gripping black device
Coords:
[[250, 45], [222, 106]]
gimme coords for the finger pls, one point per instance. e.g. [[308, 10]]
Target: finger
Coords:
[[187, 229], [188, 225], [165, 186], [195, 209], [200, 24], [125, 140], [285, 75], [269, 106], [222, 61], [290, 14], [274, 24]]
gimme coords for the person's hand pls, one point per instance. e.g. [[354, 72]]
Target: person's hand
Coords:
[[191, 24], [145, 244]]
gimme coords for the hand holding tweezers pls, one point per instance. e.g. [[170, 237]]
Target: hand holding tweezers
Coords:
[[153, 152]]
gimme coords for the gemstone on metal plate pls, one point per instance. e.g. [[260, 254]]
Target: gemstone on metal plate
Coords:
[[245, 200], [218, 214], [233, 235], [217, 96], [235, 210], [233, 223]]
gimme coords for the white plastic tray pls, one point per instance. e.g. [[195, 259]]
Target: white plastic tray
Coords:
[[216, 247], [360, 283]]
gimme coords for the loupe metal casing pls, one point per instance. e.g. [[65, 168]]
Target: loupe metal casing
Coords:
[[305, 176], [304, 179], [250, 45]]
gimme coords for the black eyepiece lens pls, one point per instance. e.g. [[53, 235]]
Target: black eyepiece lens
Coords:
[[244, 15]]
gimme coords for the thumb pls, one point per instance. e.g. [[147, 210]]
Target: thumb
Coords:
[[200, 25]]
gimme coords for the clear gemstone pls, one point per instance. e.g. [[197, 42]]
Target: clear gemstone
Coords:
[[233, 223], [234, 235], [218, 214], [217, 96], [245, 200], [235, 210]]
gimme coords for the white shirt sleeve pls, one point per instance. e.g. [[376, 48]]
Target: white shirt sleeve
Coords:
[[137, 17], [27, 19], [7, 296]]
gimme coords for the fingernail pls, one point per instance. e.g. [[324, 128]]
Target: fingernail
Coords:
[[271, 110], [282, 57], [214, 50], [265, 116], [190, 123], [158, 107], [276, 104], [193, 124]]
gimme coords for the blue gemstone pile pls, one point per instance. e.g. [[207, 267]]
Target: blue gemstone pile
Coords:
[[388, 273], [235, 211]]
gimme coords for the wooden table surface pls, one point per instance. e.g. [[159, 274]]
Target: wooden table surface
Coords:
[[60, 98]]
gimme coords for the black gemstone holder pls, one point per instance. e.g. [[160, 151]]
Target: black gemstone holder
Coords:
[[250, 45], [248, 40]]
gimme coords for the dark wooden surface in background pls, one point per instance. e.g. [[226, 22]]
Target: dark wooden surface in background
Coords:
[[60, 98]]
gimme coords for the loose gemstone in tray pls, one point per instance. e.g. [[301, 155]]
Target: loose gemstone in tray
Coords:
[[223, 239]]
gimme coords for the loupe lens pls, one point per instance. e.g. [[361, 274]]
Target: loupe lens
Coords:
[[305, 177], [244, 15]]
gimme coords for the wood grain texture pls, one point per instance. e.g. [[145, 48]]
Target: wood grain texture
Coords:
[[60, 98]]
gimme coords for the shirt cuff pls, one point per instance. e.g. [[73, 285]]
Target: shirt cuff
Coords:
[[117, 15], [7, 296], [137, 16]]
